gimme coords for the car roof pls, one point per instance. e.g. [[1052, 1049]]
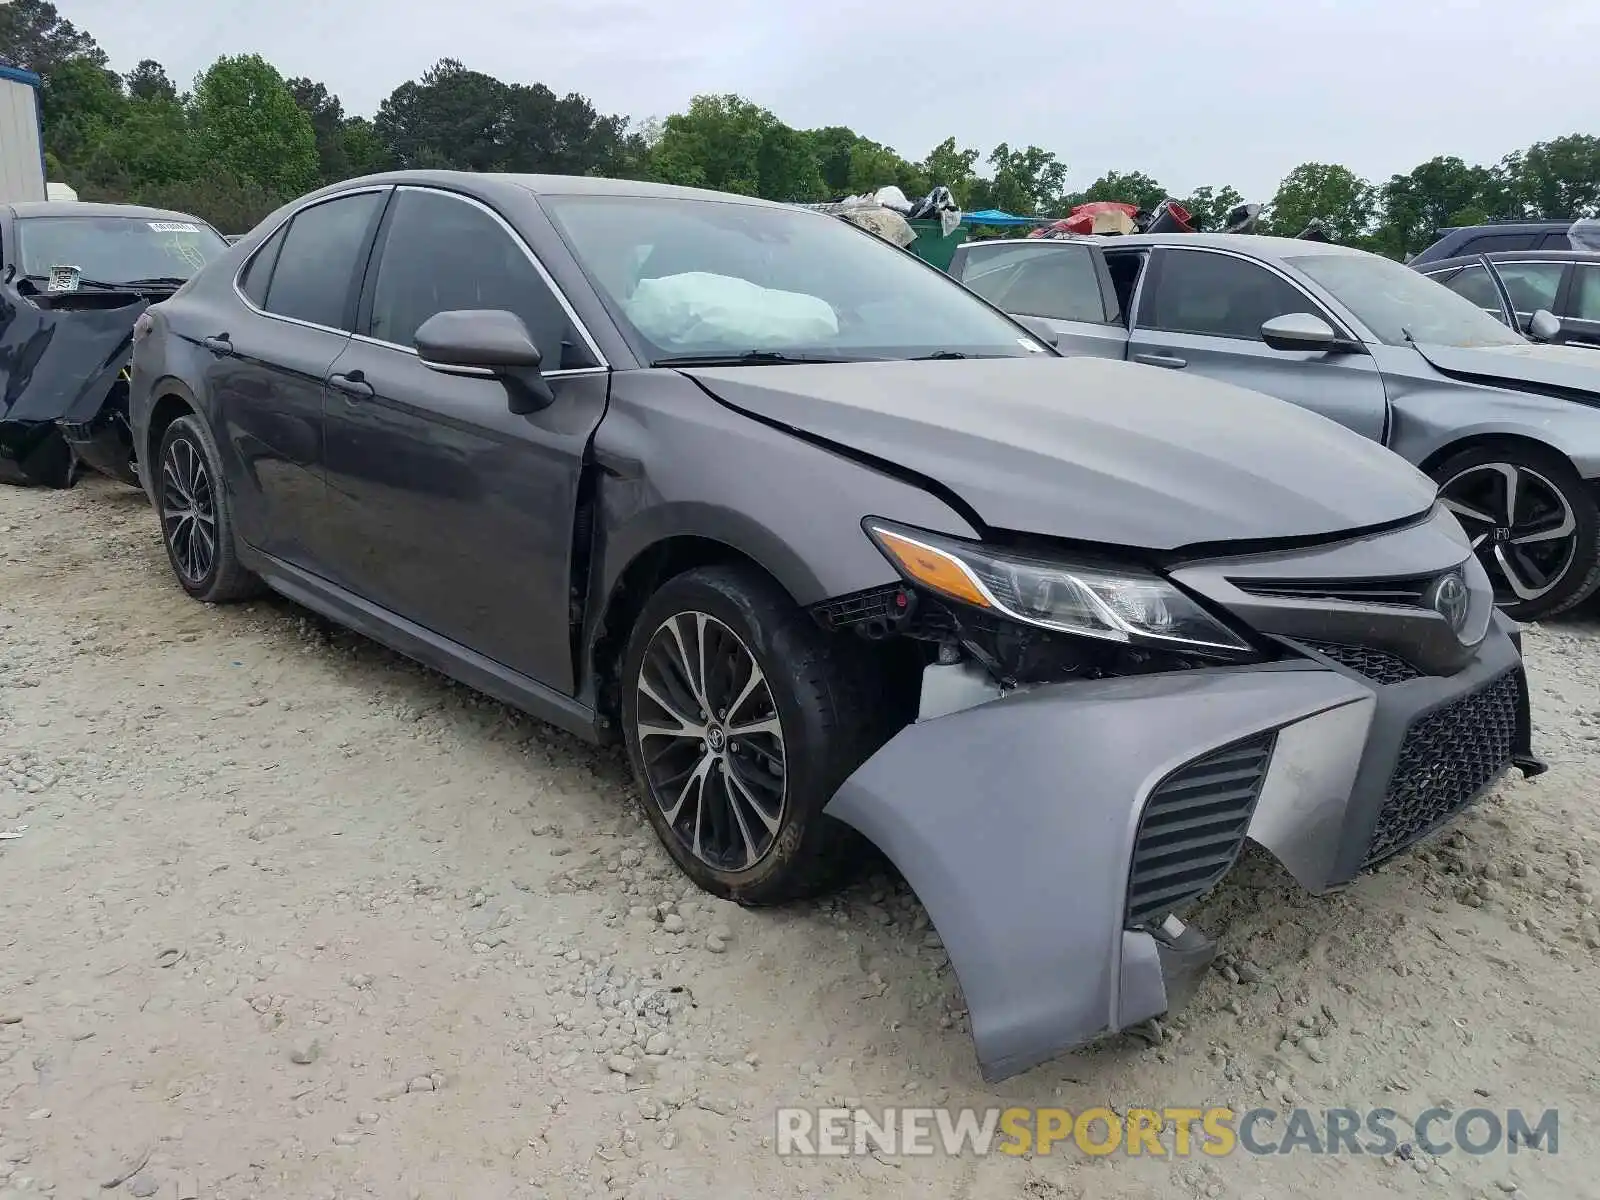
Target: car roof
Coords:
[[82, 208], [1539, 224], [1463, 260], [497, 182], [1258, 245]]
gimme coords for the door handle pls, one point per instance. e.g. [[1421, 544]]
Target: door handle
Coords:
[[354, 385], [220, 344], [1161, 360]]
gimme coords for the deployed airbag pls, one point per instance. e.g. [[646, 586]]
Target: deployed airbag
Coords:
[[698, 308]]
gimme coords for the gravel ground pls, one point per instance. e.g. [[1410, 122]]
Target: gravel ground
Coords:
[[292, 917]]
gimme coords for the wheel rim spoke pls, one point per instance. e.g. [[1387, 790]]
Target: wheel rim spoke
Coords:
[[1530, 546], [727, 765]]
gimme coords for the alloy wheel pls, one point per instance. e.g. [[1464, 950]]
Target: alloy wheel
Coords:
[[1522, 527], [188, 510], [711, 741]]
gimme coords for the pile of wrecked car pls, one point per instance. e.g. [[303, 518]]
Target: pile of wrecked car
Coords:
[[74, 278]]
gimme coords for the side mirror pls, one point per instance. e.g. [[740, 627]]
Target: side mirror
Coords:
[[1305, 332], [1040, 328], [1544, 326], [489, 342]]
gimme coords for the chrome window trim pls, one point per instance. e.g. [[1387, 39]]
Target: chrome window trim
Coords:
[[604, 366]]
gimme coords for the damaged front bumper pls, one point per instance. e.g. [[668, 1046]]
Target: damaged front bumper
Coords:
[[1050, 833], [63, 383]]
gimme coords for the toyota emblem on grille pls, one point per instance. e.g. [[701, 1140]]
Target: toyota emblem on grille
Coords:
[[1448, 596]]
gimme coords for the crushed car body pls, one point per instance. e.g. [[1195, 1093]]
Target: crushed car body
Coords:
[[74, 280]]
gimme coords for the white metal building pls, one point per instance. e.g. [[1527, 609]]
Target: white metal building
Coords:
[[21, 145]]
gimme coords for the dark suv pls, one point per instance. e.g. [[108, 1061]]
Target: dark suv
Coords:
[[1453, 242]]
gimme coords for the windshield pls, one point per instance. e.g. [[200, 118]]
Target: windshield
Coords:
[[1389, 299], [116, 249], [693, 278]]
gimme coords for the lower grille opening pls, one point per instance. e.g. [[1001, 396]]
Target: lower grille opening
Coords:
[[1193, 826], [1380, 666], [1446, 759]]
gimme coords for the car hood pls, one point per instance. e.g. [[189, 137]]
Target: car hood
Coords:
[[1090, 449], [1568, 369]]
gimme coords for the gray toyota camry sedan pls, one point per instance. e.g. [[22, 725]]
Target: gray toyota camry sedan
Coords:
[[842, 554]]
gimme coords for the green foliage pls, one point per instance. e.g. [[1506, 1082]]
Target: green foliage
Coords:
[[728, 143], [246, 122], [34, 36], [1325, 192], [1210, 206], [1025, 182], [246, 140], [1130, 187]]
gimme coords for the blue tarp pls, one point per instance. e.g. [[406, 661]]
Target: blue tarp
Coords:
[[993, 216]]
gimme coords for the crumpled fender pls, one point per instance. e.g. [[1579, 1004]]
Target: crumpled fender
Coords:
[[1014, 823], [60, 363]]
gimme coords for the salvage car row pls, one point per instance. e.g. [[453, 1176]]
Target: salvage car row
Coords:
[[844, 553]]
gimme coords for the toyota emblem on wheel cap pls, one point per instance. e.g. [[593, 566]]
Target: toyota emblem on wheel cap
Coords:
[[1450, 599]]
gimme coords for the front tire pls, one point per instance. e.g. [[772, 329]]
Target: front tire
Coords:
[[196, 518], [741, 718], [1534, 524]]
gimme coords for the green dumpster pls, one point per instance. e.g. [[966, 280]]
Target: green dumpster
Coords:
[[933, 247]]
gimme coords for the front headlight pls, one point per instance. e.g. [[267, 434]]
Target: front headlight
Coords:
[[1114, 604]]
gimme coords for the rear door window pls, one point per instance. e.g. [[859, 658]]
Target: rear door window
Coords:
[[258, 272], [1058, 282], [321, 255], [1586, 294], [1532, 285], [1473, 283]]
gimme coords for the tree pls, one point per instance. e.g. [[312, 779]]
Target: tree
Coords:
[[151, 145], [452, 117], [727, 142], [1324, 192], [326, 115], [1024, 180], [365, 152], [247, 122], [148, 81], [831, 148], [34, 36], [1209, 207], [1442, 191], [80, 103], [1558, 178], [1129, 187], [951, 166]]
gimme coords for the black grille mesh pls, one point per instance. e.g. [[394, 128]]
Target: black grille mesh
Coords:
[[1448, 756], [1377, 665], [858, 608], [1193, 826]]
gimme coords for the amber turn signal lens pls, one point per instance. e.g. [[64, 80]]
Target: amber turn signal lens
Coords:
[[934, 568]]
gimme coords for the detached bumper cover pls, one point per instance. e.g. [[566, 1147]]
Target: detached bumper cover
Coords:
[[1018, 821]]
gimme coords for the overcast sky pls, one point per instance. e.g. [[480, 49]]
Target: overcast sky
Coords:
[[1190, 98]]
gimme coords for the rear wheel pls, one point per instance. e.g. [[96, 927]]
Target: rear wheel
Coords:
[[196, 519], [1533, 522], [742, 718]]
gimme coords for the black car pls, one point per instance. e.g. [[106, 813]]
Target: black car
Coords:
[[1565, 283], [842, 552], [74, 277], [1455, 241]]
